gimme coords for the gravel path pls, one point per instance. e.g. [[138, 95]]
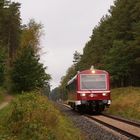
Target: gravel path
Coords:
[[91, 129]]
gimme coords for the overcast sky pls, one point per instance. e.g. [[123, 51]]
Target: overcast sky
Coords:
[[68, 24]]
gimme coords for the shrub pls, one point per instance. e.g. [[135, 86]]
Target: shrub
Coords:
[[33, 117]]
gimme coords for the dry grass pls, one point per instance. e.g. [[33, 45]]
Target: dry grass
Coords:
[[126, 102]]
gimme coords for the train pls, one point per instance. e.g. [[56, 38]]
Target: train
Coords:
[[89, 90]]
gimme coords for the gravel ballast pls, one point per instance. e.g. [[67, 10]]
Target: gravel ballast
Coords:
[[91, 129]]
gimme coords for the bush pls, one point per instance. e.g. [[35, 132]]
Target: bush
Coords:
[[34, 117]]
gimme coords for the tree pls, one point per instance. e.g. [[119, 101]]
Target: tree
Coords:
[[76, 57], [76, 60], [28, 73], [118, 65], [19, 49], [9, 37], [63, 83], [2, 65], [46, 90], [55, 94], [114, 44], [31, 34], [10, 28], [125, 26], [14, 29]]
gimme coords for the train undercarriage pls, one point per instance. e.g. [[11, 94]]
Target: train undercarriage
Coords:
[[96, 106]]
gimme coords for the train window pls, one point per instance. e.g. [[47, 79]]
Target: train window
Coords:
[[72, 86], [93, 82]]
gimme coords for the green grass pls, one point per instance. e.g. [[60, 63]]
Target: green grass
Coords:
[[126, 102], [31, 116]]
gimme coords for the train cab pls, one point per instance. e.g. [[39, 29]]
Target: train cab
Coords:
[[89, 90]]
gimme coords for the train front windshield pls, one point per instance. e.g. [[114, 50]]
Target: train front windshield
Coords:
[[93, 82]]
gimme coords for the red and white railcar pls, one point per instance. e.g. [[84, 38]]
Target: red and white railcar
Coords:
[[89, 90]]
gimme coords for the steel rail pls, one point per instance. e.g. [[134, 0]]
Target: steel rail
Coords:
[[131, 122], [121, 131]]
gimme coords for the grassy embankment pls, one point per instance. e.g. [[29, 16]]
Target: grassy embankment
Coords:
[[126, 102], [31, 116]]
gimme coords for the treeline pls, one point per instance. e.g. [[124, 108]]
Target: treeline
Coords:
[[20, 67], [113, 46]]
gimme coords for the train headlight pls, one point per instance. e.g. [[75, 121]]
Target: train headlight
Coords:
[[109, 102], [93, 71], [82, 94], [104, 94]]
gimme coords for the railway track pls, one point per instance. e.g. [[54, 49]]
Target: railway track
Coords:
[[134, 123], [128, 129], [125, 127]]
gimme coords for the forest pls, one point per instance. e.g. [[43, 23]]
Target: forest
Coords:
[[113, 46], [20, 67]]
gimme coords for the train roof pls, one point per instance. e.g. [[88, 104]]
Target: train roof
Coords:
[[90, 71], [86, 72], [71, 80]]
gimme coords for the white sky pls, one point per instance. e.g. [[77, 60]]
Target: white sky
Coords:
[[68, 24]]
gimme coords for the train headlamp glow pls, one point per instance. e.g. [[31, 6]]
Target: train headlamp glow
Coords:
[[104, 94], [82, 94], [109, 102], [93, 71]]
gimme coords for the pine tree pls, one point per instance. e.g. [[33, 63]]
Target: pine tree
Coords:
[[28, 73], [114, 44]]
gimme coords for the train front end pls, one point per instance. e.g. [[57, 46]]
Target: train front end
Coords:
[[93, 90]]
